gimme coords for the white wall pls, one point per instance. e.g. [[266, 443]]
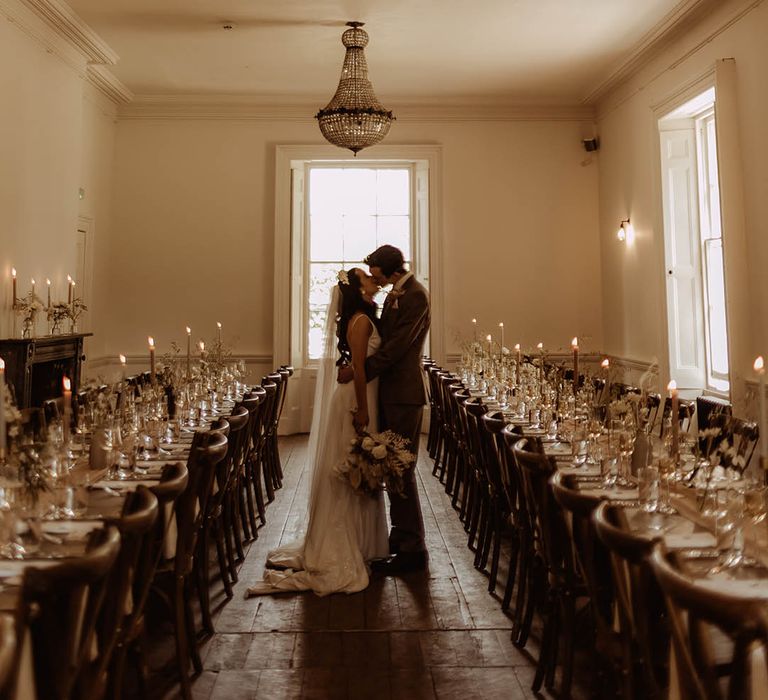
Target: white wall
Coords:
[[40, 149], [194, 229], [633, 276]]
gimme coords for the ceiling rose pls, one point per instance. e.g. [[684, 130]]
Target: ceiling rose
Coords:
[[354, 118]]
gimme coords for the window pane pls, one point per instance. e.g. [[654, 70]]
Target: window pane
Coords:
[[326, 191], [718, 336], [394, 196], [359, 236], [321, 278], [359, 191], [395, 230], [326, 240]]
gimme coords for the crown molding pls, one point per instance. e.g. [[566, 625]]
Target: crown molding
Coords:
[[105, 82], [649, 45], [249, 107], [70, 27]]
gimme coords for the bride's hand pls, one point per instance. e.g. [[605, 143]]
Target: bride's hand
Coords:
[[360, 420]]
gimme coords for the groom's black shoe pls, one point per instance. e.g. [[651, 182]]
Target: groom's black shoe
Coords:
[[401, 563]]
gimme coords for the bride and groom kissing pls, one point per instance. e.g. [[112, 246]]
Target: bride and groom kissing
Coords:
[[369, 379]]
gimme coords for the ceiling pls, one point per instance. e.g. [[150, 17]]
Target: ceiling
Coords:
[[420, 51]]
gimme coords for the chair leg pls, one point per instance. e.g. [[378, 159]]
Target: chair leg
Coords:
[[259, 492], [192, 633], [496, 553], [221, 556], [512, 573], [568, 632], [266, 469], [183, 651], [202, 576], [229, 537]]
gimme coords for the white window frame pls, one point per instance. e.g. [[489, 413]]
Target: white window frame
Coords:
[[290, 254], [419, 263]]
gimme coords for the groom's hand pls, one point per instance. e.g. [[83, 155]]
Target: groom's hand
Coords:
[[345, 374]]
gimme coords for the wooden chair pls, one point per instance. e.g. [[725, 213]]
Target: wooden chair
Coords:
[[447, 465], [8, 656], [136, 526], [477, 491], [561, 584], [642, 625], [61, 606], [207, 450], [267, 420], [272, 450], [426, 363], [521, 538], [455, 442], [738, 433], [592, 563], [253, 492], [694, 610]]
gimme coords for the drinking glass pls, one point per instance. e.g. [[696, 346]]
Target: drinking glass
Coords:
[[648, 488], [579, 442]]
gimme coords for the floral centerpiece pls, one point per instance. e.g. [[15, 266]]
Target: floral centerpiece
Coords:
[[28, 307], [376, 461]]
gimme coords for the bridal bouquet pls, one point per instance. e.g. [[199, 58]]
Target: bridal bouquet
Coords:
[[376, 461]]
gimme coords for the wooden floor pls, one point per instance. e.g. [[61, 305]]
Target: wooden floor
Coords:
[[433, 634]]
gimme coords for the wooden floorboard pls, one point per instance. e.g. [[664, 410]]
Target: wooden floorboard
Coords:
[[432, 634]]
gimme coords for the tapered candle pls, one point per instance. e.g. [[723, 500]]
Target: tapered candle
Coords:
[[151, 341], [69, 289], [189, 353], [202, 350], [575, 347], [48, 283], [540, 348], [67, 384], [13, 279], [123, 360], [218, 325], [501, 347], [519, 362], [474, 327], [759, 367], [672, 388], [490, 345], [33, 289], [2, 409], [72, 287]]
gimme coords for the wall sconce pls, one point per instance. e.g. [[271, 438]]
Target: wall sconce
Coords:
[[623, 233]]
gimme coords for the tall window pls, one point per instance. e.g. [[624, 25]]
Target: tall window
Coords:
[[693, 245], [352, 211]]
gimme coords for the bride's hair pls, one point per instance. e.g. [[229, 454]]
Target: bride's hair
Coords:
[[351, 302]]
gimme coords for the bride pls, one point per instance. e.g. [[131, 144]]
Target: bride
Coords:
[[344, 529]]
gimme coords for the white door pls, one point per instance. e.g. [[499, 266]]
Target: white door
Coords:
[[682, 258]]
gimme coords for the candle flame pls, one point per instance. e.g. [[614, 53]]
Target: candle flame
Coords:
[[13, 272], [517, 347], [575, 342], [122, 359], [202, 346], [501, 325], [151, 341], [189, 331], [69, 279], [488, 338], [2, 364], [67, 383], [474, 320], [218, 323], [540, 346], [672, 386], [72, 283], [759, 366], [33, 281], [48, 281], [605, 363]]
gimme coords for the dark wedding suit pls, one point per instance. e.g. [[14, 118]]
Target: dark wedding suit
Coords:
[[404, 325]]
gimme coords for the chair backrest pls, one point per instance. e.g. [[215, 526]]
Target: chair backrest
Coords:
[[270, 405], [137, 559], [692, 608], [228, 468], [285, 373], [61, 604], [473, 410], [736, 433], [277, 379], [639, 604], [512, 479], [207, 450], [491, 427], [9, 656]]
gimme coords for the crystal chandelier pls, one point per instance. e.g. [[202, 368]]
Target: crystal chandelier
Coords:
[[354, 118]]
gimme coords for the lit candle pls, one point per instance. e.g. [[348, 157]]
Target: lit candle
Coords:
[[72, 287], [202, 350], [48, 283], [474, 325], [151, 342], [123, 360], [540, 348], [13, 279], [218, 325], [121, 403], [519, 362], [490, 345], [501, 347], [69, 289], [189, 353], [759, 367], [33, 289], [672, 388], [67, 407], [575, 346], [2, 409]]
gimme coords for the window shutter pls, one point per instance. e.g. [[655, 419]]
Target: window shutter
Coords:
[[682, 258]]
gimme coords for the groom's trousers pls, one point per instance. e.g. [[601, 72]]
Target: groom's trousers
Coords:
[[407, 533]]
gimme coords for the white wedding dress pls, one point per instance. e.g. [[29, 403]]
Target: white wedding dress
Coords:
[[345, 529]]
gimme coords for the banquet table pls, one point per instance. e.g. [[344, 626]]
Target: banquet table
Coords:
[[99, 501], [686, 530]]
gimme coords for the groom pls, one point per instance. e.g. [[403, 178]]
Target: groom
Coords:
[[404, 325]]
